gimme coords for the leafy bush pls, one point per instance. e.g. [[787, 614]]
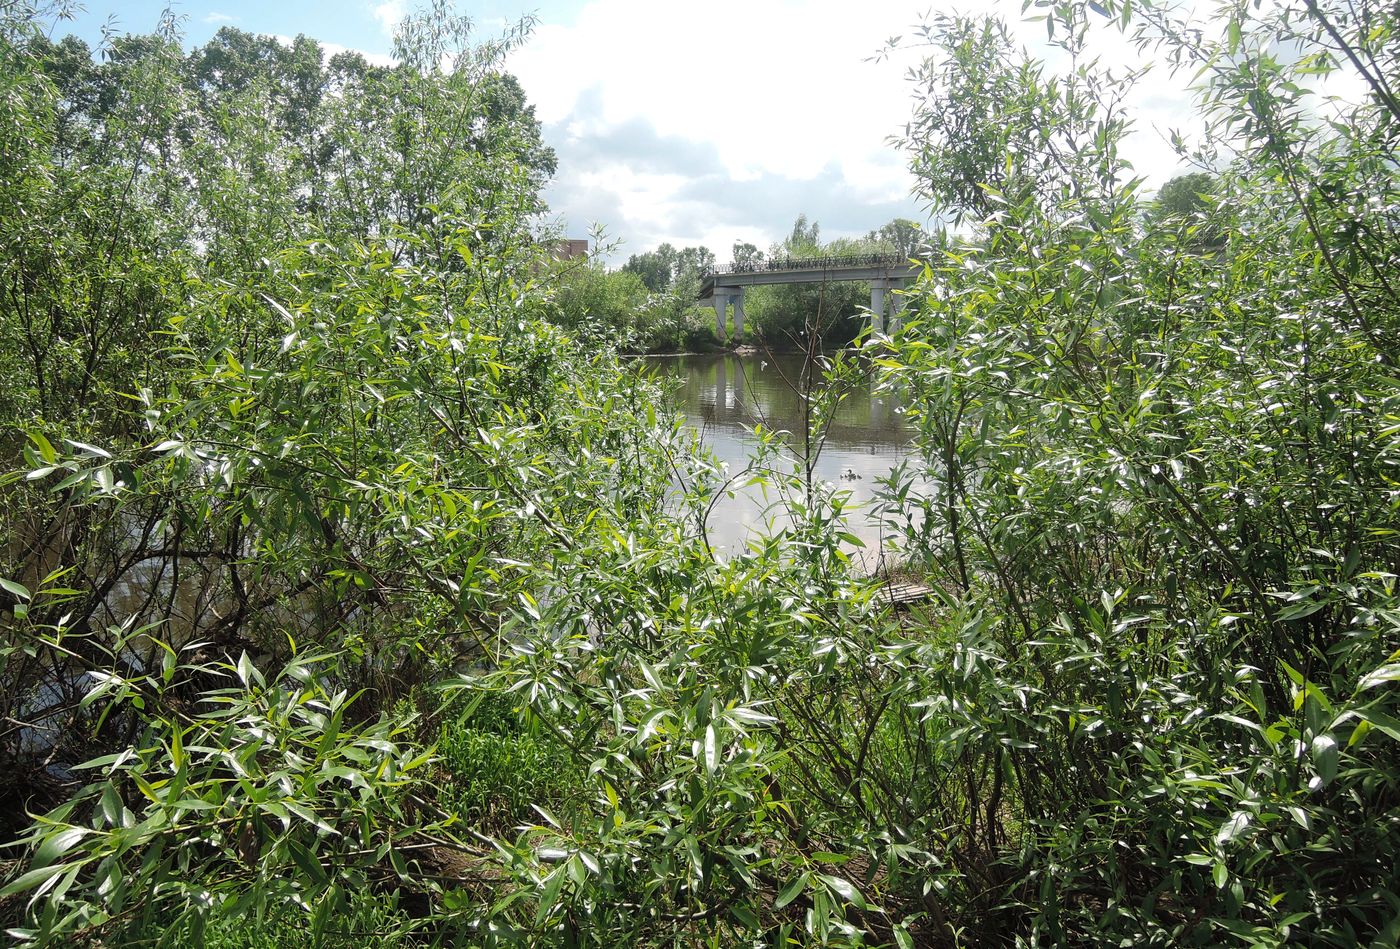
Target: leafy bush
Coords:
[[1159, 444], [324, 467], [1153, 701]]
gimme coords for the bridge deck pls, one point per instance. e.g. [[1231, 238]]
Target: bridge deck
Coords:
[[810, 270]]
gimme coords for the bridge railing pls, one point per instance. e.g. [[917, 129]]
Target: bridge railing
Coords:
[[833, 262]]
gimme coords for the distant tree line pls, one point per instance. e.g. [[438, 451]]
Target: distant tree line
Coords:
[[650, 303]]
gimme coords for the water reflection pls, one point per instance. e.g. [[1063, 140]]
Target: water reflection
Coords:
[[725, 396]]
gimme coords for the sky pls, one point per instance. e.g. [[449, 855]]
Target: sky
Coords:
[[682, 122]]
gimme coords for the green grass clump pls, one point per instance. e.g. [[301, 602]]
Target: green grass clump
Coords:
[[498, 766], [370, 920]]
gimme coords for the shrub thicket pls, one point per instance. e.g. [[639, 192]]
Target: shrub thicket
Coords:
[[343, 591]]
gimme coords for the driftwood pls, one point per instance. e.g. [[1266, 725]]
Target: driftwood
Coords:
[[901, 594]]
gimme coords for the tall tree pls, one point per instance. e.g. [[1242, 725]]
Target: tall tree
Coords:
[[745, 254], [656, 268], [901, 236], [662, 268]]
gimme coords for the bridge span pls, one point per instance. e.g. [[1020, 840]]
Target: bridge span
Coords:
[[885, 272]]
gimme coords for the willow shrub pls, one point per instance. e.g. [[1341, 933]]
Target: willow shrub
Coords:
[[333, 461], [1162, 444], [1154, 702]]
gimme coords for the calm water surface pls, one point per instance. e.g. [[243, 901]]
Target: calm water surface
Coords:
[[725, 396]]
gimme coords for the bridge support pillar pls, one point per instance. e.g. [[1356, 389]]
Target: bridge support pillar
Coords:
[[877, 305], [721, 299], [886, 305], [896, 306]]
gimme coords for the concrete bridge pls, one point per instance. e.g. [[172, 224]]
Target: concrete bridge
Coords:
[[885, 272]]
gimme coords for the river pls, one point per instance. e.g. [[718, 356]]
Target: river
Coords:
[[723, 396]]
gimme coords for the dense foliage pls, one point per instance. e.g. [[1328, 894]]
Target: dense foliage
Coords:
[[1163, 439], [347, 597], [837, 312], [635, 312]]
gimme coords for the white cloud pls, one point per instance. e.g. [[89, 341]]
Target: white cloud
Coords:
[[777, 86], [389, 14], [214, 17], [374, 59], [331, 49], [782, 93]]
